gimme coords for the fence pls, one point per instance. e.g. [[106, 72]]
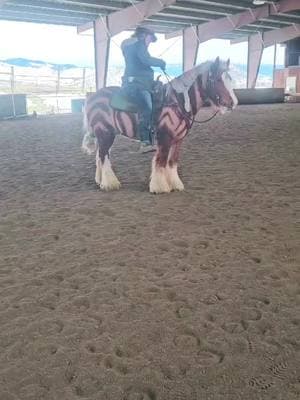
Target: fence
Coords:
[[47, 90]]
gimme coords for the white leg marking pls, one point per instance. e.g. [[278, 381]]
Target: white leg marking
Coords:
[[98, 168], [158, 180], [109, 180], [174, 181]]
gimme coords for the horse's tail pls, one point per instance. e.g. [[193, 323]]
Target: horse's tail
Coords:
[[89, 141]]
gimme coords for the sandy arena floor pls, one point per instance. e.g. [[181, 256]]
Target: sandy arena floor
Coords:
[[131, 296]]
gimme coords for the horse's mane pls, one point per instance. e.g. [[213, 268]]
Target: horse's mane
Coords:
[[189, 77], [183, 82]]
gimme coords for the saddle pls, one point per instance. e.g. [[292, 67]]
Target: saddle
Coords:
[[120, 100]]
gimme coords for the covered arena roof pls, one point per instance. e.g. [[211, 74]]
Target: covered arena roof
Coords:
[[179, 15]]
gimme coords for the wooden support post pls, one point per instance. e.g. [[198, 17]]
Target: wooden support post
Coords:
[[190, 45], [12, 88], [57, 88], [101, 53], [274, 64], [258, 42], [83, 80], [255, 51], [114, 23]]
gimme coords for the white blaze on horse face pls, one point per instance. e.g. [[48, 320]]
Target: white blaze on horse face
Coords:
[[228, 84]]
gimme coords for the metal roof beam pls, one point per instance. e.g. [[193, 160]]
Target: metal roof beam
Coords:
[[213, 9], [128, 17], [43, 20], [50, 13], [214, 13], [227, 24], [281, 35], [192, 17], [257, 43], [225, 4], [48, 6], [113, 5], [42, 14], [169, 14]]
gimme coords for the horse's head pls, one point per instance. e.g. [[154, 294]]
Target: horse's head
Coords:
[[219, 86]]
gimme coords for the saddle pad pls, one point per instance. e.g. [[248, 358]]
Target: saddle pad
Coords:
[[119, 101]]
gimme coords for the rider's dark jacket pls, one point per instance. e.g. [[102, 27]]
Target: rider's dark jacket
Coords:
[[138, 60]]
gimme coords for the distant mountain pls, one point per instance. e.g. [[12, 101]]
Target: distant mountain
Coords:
[[24, 62], [172, 69]]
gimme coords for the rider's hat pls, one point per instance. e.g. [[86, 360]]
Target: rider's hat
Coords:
[[143, 31]]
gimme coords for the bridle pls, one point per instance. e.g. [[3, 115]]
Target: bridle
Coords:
[[210, 90]]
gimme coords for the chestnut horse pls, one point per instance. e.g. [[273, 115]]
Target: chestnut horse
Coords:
[[182, 99]]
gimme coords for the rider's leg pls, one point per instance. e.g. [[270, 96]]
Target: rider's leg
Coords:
[[143, 99], [145, 116]]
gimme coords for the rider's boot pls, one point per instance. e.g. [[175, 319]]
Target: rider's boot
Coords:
[[145, 134]]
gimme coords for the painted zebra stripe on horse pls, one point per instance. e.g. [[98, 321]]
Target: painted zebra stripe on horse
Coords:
[[209, 81]]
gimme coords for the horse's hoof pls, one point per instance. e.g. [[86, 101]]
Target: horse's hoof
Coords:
[[159, 190], [178, 187], [109, 188]]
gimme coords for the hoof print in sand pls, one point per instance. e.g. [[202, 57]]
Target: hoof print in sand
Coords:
[[209, 357], [51, 327], [279, 370], [82, 303], [187, 341], [117, 365], [213, 299], [190, 344], [183, 312], [235, 327], [252, 314], [87, 386], [261, 382]]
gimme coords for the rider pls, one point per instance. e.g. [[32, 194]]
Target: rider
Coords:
[[139, 78]]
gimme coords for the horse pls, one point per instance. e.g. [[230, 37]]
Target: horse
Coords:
[[183, 97]]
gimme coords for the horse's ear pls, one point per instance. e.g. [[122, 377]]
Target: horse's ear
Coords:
[[215, 66], [228, 63], [217, 62]]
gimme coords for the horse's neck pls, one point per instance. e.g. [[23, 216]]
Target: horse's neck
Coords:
[[196, 93], [191, 84]]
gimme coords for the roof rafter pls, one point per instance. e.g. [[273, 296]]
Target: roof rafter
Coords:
[[227, 24], [128, 17], [174, 17]]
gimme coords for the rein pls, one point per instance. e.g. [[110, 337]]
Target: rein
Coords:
[[185, 114]]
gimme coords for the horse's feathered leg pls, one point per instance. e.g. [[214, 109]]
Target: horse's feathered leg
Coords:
[[172, 166], [104, 171], [98, 173], [159, 179]]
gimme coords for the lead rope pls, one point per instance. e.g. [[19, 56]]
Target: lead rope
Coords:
[[192, 120]]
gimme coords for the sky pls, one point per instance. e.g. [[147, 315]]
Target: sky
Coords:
[[62, 45]]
